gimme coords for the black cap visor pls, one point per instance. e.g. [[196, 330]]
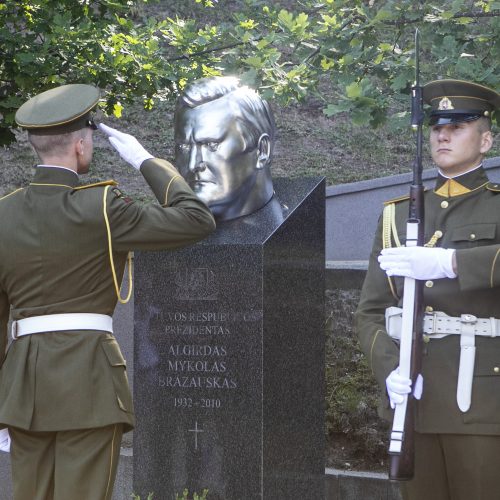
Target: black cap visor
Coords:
[[84, 121], [454, 116]]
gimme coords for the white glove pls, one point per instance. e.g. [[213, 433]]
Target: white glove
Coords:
[[397, 386], [4, 440], [129, 148], [420, 263]]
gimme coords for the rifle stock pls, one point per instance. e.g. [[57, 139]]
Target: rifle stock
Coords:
[[402, 443]]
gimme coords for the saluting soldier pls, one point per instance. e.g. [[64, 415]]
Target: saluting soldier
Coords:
[[64, 395], [457, 439]]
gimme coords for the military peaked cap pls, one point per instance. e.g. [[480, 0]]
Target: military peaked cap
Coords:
[[454, 101], [59, 110]]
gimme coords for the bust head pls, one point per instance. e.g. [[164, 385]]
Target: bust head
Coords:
[[224, 136]]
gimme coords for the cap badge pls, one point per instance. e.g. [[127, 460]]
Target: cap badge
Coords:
[[445, 104]]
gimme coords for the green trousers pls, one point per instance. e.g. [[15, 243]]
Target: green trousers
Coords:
[[454, 467], [66, 465]]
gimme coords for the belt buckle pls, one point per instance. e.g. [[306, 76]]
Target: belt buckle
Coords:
[[468, 318], [14, 330]]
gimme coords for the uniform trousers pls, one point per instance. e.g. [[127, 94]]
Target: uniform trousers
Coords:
[[454, 467], [65, 465]]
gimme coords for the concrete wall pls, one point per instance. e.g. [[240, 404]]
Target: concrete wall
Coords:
[[349, 485]]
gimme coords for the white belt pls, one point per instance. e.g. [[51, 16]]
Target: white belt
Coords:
[[60, 322], [438, 325]]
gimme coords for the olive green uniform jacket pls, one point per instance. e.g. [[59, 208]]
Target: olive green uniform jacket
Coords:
[[464, 214], [54, 258]]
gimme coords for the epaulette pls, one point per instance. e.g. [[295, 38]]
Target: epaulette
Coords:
[[97, 184], [10, 194], [493, 186], [396, 200]]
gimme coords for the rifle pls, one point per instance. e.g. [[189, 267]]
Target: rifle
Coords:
[[402, 443]]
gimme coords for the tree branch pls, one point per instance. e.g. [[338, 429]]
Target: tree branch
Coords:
[[474, 15], [209, 51]]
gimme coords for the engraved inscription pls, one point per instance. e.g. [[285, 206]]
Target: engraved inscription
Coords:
[[190, 323], [200, 369], [197, 382], [193, 366], [183, 402]]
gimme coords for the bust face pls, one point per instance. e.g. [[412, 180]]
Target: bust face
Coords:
[[211, 154]]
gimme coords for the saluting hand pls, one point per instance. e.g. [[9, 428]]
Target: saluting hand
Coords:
[[421, 263], [128, 147]]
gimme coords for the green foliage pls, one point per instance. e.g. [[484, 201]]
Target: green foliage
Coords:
[[365, 50], [44, 43], [362, 51], [185, 495], [137, 497]]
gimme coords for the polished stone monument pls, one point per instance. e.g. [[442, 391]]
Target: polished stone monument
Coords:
[[229, 357]]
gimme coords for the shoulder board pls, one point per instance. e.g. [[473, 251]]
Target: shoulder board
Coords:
[[10, 194], [493, 186], [97, 184], [396, 200]]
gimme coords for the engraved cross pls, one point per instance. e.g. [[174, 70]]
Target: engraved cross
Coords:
[[195, 430]]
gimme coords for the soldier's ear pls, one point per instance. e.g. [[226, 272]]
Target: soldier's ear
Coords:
[[264, 151], [79, 149], [486, 142]]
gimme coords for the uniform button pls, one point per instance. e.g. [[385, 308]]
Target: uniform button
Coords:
[[429, 309], [429, 284], [472, 236], [444, 204], [426, 339], [496, 369]]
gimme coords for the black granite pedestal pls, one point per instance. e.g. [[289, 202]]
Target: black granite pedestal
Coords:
[[229, 357]]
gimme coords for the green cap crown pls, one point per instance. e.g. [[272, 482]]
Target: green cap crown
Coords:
[[454, 101], [58, 110]]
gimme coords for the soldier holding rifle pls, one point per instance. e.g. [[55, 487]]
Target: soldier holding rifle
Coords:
[[457, 415]]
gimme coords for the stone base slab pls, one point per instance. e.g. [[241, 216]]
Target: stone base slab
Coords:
[[339, 485]]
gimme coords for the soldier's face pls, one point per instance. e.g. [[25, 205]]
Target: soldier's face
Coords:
[[211, 154], [456, 148]]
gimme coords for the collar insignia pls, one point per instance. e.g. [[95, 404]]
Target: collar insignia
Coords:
[[452, 188], [445, 104]]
